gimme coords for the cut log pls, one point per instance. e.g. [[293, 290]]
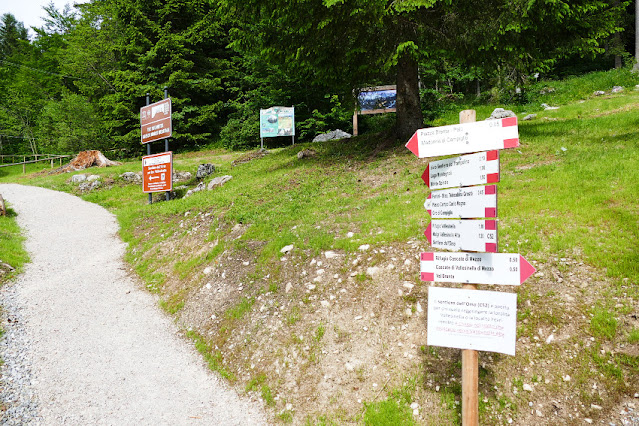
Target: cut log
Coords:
[[87, 159]]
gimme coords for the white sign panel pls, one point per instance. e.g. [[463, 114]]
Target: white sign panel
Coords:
[[465, 138], [467, 235], [475, 268], [467, 170], [472, 319], [463, 203]]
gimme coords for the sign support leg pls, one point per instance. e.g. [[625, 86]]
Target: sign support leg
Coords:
[[148, 148], [355, 124], [166, 141], [470, 358]]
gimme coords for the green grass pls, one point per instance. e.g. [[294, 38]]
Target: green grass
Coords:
[[603, 323], [12, 250]]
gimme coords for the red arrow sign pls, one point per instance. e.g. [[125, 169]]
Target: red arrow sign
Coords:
[[466, 170], [467, 235], [464, 138], [476, 268]]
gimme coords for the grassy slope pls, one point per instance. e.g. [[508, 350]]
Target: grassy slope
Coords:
[[11, 249], [569, 192]]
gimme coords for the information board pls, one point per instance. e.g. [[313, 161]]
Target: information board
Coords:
[[155, 121], [472, 319], [157, 172]]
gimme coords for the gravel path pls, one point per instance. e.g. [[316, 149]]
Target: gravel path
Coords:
[[84, 343]]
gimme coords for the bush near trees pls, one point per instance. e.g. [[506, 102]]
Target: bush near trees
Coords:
[[80, 81]]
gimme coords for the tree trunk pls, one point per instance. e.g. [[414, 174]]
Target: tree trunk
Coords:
[[409, 111]]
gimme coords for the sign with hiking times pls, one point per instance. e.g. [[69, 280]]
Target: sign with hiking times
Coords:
[[472, 319], [155, 121], [466, 170], [475, 268], [463, 203], [157, 172], [463, 235], [465, 138]]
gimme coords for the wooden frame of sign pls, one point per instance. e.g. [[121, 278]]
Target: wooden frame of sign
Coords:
[[370, 111]]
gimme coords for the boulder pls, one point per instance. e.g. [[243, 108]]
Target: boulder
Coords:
[[529, 117], [617, 89], [204, 170], [500, 113], [306, 153], [200, 187], [93, 178], [219, 181], [548, 107], [599, 93], [131, 177], [78, 178], [332, 135], [181, 176]]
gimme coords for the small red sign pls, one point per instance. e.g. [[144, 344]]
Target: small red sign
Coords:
[[155, 121], [157, 172]]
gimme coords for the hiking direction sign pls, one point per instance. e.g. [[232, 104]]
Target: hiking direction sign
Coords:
[[155, 121], [465, 138], [157, 172], [475, 268], [466, 170], [473, 202], [458, 235]]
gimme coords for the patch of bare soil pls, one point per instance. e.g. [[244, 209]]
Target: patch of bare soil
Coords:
[[318, 336]]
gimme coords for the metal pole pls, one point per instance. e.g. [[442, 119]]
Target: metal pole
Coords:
[[148, 148], [166, 144]]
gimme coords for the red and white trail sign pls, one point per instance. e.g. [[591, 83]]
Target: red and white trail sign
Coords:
[[458, 235], [475, 268], [463, 203], [465, 138], [466, 170]]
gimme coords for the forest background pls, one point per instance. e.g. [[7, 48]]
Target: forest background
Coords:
[[80, 81]]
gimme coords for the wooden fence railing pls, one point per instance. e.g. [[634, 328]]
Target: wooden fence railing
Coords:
[[24, 162]]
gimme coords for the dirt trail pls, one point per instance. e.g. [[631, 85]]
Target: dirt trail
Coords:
[[99, 351]]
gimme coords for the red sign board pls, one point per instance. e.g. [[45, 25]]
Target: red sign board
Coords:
[[157, 172], [155, 121]]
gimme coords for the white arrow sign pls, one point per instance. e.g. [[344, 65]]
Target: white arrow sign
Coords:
[[475, 268], [473, 202], [466, 170], [464, 138], [468, 235]]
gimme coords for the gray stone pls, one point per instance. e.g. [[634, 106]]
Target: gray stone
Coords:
[[181, 176], [200, 187], [332, 135], [131, 177], [529, 117], [219, 181], [599, 93], [78, 178], [548, 107], [306, 153], [617, 89], [93, 178], [287, 248], [499, 113], [204, 170]]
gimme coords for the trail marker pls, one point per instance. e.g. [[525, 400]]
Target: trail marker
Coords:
[[473, 202], [465, 138], [475, 268], [157, 172], [472, 319], [466, 170], [469, 235]]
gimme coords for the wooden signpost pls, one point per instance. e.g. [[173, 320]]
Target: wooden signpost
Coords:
[[466, 318]]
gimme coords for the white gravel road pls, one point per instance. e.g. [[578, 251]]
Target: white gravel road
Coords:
[[84, 343]]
